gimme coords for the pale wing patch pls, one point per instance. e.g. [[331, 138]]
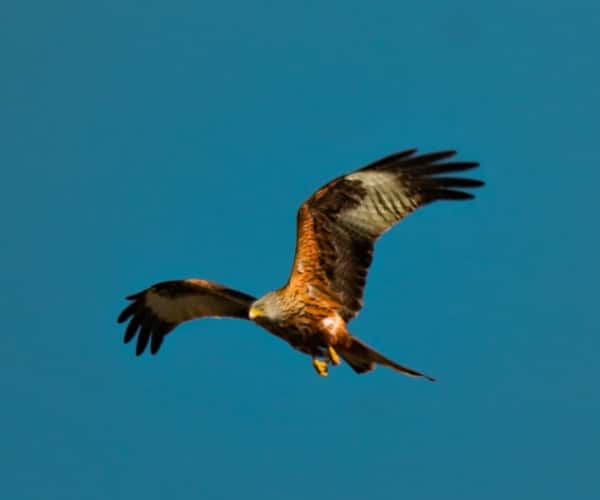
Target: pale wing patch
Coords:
[[371, 178], [387, 200], [182, 308]]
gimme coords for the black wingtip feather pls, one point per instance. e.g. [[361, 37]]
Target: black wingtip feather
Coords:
[[156, 341], [420, 165], [131, 329], [451, 182], [423, 173], [135, 296], [390, 159], [141, 344], [144, 335], [428, 169], [127, 312], [429, 158], [446, 194]]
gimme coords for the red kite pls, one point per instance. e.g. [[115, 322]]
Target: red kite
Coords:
[[336, 231]]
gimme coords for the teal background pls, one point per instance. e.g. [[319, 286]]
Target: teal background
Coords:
[[144, 141]]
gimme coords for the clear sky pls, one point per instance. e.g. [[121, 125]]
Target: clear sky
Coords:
[[144, 141]]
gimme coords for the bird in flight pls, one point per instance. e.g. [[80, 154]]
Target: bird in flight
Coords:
[[336, 231]]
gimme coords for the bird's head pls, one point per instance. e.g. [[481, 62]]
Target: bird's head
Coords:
[[267, 308]]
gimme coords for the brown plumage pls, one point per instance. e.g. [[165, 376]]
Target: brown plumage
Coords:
[[336, 231]]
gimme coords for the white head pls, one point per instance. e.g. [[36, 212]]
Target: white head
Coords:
[[266, 308]]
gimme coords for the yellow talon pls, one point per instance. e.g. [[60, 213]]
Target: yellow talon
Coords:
[[320, 367], [333, 356]]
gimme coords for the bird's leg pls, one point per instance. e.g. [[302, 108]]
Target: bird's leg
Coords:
[[320, 367], [333, 355]]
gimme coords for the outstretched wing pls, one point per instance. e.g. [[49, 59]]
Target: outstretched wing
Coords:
[[154, 312], [338, 225]]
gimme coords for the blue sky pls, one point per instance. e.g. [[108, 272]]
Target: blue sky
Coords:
[[143, 141]]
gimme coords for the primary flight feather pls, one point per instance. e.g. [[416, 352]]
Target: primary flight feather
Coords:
[[336, 230]]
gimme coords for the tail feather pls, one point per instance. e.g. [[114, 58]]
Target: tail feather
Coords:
[[363, 358]]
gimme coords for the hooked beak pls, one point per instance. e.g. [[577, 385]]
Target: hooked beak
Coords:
[[255, 312]]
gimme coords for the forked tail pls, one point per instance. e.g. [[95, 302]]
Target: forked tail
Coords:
[[362, 359]]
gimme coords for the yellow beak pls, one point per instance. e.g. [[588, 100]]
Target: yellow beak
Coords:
[[255, 312]]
